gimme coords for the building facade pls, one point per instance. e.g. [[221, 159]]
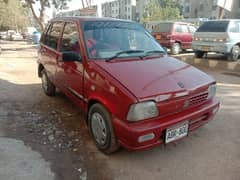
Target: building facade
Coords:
[[208, 9], [123, 9], [89, 11]]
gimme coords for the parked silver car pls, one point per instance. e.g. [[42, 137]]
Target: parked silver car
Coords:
[[220, 36]]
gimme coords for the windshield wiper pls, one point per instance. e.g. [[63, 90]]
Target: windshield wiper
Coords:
[[125, 52], [149, 53]]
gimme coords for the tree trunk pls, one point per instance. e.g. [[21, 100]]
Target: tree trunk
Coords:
[[40, 19]]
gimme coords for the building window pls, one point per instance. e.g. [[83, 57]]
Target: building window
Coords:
[[187, 9], [201, 7], [214, 7]]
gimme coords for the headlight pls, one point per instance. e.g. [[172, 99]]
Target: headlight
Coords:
[[212, 91], [142, 110]]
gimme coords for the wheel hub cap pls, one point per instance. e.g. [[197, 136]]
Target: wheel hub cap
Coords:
[[98, 128]]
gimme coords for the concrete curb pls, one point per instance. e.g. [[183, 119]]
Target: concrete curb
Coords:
[[217, 64]]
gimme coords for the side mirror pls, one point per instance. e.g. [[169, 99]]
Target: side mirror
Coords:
[[69, 56]]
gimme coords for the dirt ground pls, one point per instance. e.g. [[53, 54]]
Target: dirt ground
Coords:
[[56, 128]]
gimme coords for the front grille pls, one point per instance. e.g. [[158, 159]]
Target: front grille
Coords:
[[198, 99]]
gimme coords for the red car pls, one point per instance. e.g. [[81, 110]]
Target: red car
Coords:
[[134, 95], [176, 36]]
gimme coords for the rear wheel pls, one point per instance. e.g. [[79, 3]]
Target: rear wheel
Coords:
[[199, 54], [235, 52], [176, 48], [48, 87], [100, 123]]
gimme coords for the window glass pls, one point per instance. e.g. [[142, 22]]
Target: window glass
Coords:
[[70, 40], [184, 28], [45, 33], [105, 39], [192, 29], [214, 26], [234, 27], [163, 27], [53, 35], [178, 28]]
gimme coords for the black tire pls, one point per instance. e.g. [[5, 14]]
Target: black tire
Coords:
[[176, 48], [48, 87], [199, 54], [235, 52], [107, 144]]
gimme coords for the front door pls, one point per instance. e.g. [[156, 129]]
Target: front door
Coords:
[[70, 73]]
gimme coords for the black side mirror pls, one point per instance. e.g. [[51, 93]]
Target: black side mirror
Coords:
[[69, 56]]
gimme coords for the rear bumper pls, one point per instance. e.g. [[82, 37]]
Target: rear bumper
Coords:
[[212, 47], [128, 133], [166, 43]]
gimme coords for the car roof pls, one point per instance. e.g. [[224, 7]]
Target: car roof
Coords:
[[87, 18], [224, 20], [176, 22]]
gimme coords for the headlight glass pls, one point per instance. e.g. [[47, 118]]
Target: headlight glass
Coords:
[[212, 91], [142, 110]]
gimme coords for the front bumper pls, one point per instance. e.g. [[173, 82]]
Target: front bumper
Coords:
[[128, 133]]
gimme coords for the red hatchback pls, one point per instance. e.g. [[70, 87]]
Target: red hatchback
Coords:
[[133, 93], [176, 36]]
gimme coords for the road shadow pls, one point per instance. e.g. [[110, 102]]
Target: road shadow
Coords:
[[53, 126]]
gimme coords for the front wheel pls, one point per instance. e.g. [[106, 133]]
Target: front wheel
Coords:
[[100, 123], [48, 87], [235, 52]]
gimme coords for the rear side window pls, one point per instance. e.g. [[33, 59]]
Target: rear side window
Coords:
[[53, 34], [181, 28], [163, 27], [214, 26], [234, 27]]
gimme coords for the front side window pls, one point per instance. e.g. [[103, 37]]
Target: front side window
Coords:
[[105, 39], [53, 34], [70, 41]]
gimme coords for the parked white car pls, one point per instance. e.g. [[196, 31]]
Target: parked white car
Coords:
[[220, 36]]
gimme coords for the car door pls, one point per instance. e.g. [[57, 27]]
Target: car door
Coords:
[[70, 72], [182, 35], [49, 49]]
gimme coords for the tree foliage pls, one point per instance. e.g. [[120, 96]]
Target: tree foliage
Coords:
[[40, 14], [161, 10], [13, 15]]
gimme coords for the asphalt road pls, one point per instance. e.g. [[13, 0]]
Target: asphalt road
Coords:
[[55, 128]]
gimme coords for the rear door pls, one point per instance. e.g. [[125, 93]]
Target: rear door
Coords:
[[182, 35], [49, 49], [70, 73]]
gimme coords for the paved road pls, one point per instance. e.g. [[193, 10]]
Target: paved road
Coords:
[[55, 128]]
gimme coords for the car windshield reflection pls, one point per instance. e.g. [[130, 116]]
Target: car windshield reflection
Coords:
[[105, 39]]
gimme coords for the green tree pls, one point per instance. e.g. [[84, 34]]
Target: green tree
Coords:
[[44, 4], [161, 10], [13, 15]]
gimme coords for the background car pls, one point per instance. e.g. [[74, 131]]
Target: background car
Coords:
[[220, 36], [174, 35]]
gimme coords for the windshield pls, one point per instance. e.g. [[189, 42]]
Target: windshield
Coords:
[[214, 26], [105, 39], [163, 27]]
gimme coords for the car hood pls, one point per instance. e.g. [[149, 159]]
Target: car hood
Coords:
[[150, 77]]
